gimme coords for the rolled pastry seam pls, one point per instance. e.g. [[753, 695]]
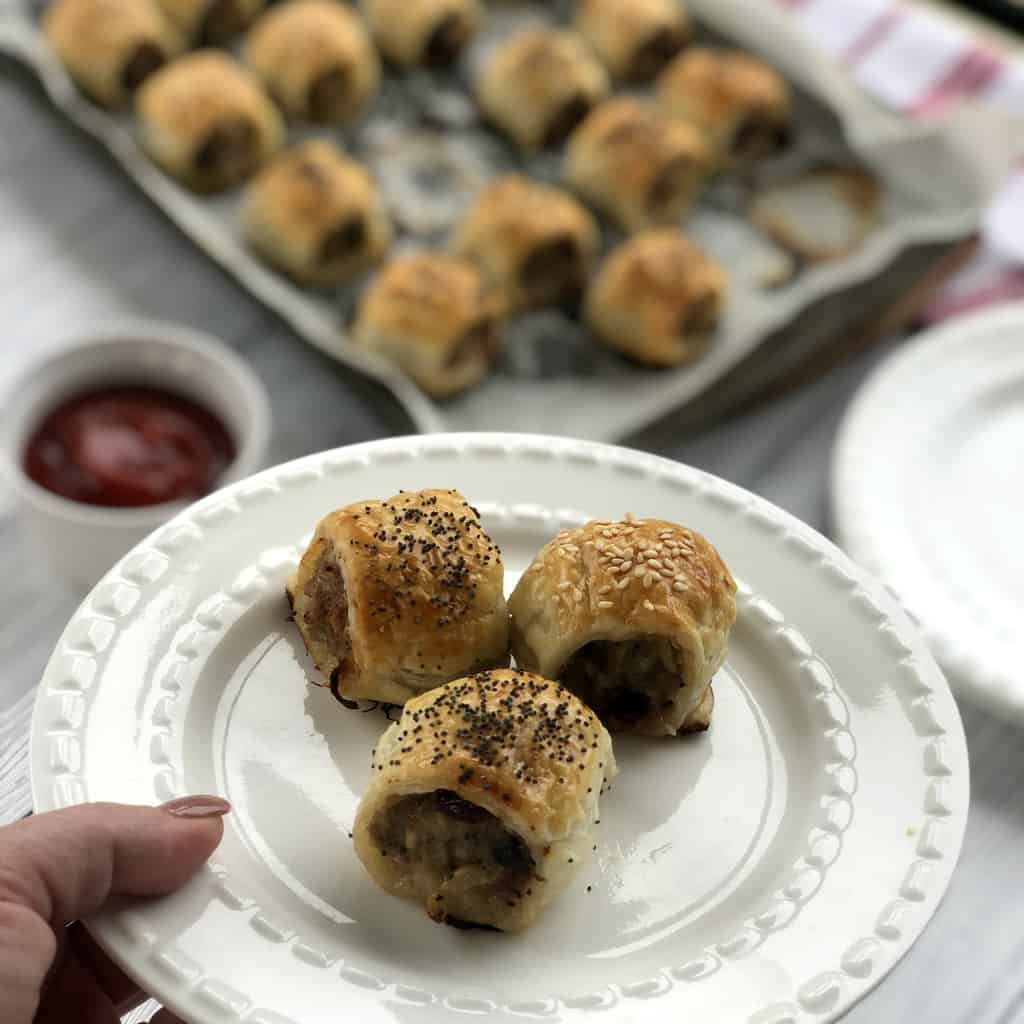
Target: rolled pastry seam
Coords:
[[209, 22], [483, 798], [110, 47], [317, 215], [537, 85], [430, 313], [633, 617], [395, 597], [316, 59], [535, 245], [743, 106], [426, 32], [206, 121], [657, 299], [634, 38], [639, 166]]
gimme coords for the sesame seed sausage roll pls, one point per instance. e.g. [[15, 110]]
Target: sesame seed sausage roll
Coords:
[[535, 245], [741, 104], [110, 47], [427, 32], [634, 38], [316, 60], [638, 165], [657, 299], [539, 84], [396, 597], [430, 314], [633, 617], [317, 215], [209, 22], [483, 797], [205, 120]]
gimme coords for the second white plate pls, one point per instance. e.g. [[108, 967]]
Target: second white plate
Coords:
[[771, 870], [928, 492]]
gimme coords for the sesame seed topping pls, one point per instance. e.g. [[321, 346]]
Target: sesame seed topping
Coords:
[[649, 606], [605, 604]]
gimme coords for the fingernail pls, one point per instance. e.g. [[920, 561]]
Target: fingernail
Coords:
[[197, 807]]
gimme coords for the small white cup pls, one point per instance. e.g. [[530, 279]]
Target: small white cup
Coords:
[[83, 541]]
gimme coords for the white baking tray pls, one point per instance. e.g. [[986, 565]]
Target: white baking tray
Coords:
[[553, 378]]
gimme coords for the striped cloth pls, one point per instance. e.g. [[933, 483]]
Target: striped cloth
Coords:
[[920, 63]]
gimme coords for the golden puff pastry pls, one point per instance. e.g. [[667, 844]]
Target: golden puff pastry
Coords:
[[633, 617], [110, 47], [741, 104], [539, 84], [429, 313], [483, 797], [427, 32], [634, 38], [638, 165], [395, 597], [316, 59], [209, 22], [535, 245], [657, 299], [317, 215], [205, 120]]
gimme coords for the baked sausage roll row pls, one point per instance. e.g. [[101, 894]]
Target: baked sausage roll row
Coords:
[[742, 105], [539, 84], [430, 314], [657, 299], [205, 120], [316, 59], [634, 38], [110, 47], [534, 244]]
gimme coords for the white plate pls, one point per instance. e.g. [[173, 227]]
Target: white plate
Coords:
[[928, 490], [773, 869]]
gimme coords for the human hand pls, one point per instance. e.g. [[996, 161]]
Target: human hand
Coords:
[[59, 866]]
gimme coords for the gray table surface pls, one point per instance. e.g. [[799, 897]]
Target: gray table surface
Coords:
[[78, 243]]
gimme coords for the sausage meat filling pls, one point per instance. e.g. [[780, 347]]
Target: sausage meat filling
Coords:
[[625, 681], [462, 860]]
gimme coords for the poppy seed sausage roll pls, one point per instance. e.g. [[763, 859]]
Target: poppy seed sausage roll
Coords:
[[483, 798], [395, 597], [634, 38], [428, 32], [633, 617]]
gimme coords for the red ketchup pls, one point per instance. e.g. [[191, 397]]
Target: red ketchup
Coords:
[[128, 447]]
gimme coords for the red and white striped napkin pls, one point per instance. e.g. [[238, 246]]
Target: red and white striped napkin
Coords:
[[920, 63]]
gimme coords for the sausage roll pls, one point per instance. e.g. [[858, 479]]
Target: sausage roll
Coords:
[[534, 244], [634, 38], [110, 47], [633, 617], [396, 597], [430, 315], [656, 299], [638, 165], [428, 32], [209, 22], [317, 215], [316, 60], [483, 797], [206, 121], [539, 84], [741, 104]]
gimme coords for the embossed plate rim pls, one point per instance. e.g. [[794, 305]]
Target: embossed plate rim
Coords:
[[860, 961]]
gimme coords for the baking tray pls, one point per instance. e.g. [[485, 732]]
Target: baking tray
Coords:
[[424, 140]]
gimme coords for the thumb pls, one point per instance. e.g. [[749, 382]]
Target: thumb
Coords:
[[62, 865], [67, 864]]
